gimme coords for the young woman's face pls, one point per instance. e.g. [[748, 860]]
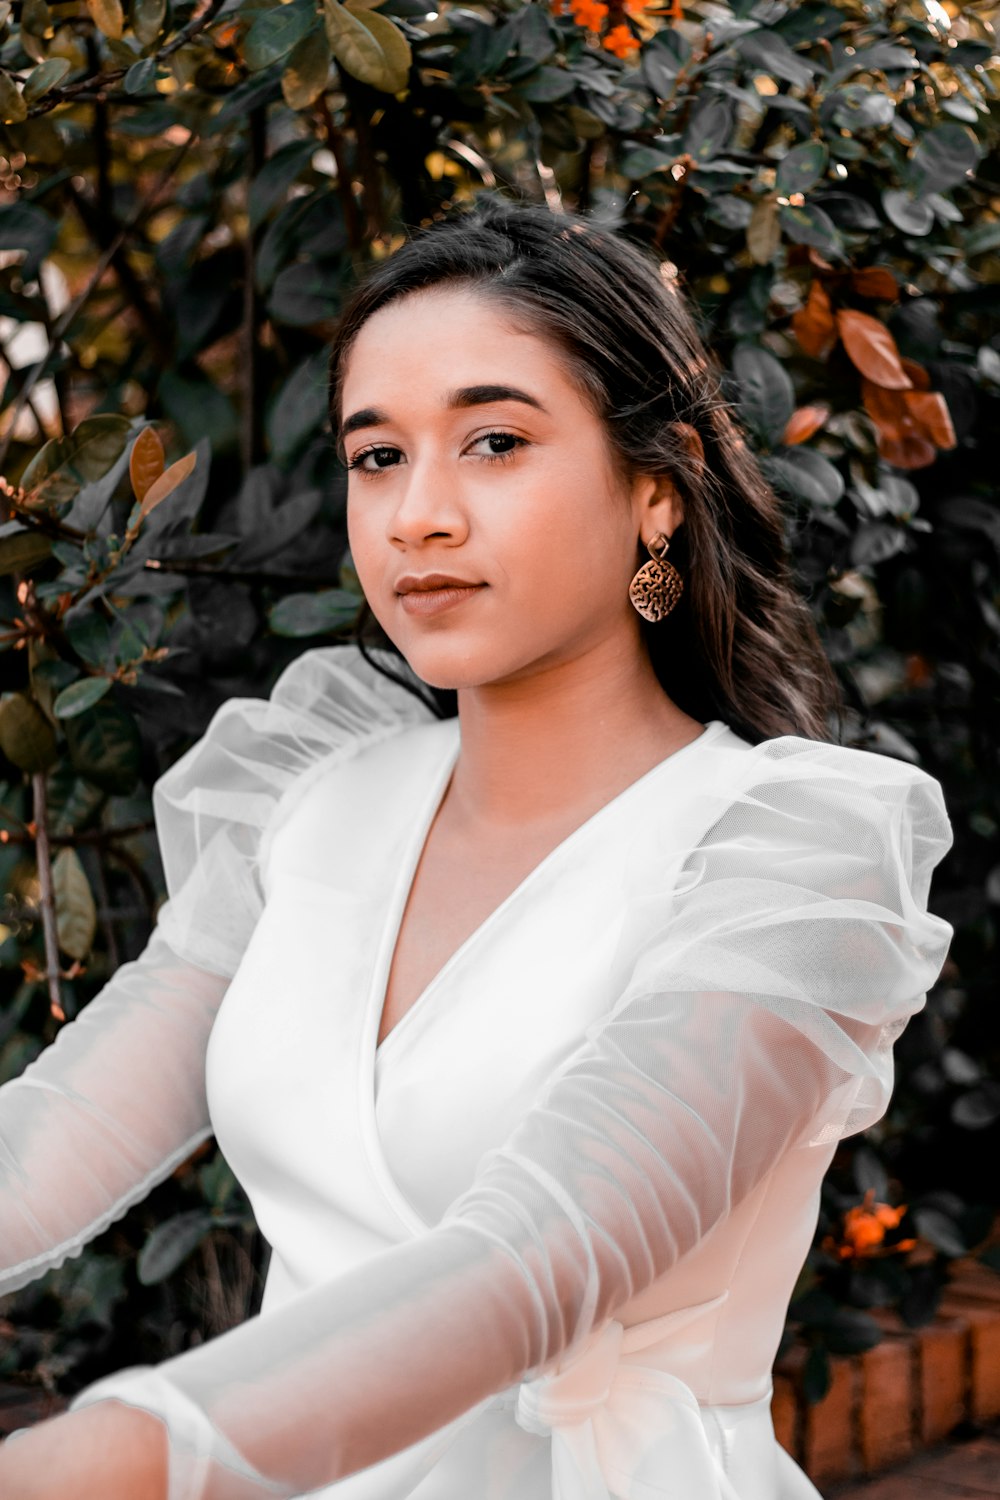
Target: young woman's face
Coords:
[[472, 454]]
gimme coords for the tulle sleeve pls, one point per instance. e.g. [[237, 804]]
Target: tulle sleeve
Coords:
[[776, 959], [118, 1099]]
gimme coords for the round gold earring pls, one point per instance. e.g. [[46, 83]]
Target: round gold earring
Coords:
[[657, 586]]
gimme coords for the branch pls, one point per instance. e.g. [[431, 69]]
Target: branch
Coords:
[[97, 83], [48, 901]]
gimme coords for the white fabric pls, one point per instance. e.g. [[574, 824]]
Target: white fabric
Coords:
[[540, 1242]]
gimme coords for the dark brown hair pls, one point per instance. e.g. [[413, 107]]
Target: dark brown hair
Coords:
[[741, 645]]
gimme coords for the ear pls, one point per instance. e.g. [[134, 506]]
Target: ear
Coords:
[[656, 505]]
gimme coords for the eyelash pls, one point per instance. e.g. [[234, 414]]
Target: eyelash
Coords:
[[356, 464]]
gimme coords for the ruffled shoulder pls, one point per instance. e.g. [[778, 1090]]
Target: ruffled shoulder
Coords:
[[214, 806], [801, 882]]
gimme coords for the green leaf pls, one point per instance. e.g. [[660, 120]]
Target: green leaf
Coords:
[[26, 736], [76, 914], [909, 214], [300, 409], [535, 37], [805, 475], [313, 614], [944, 156], [548, 85], [20, 551], [98, 443], [770, 53], [802, 168], [141, 76], [302, 294], [278, 173], [170, 1243], [274, 34], [25, 226], [80, 696], [942, 1232], [708, 130], [809, 225], [307, 71], [105, 747], [44, 77], [765, 391]]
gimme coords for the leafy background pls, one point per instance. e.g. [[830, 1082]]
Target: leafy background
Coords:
[[186, 193]]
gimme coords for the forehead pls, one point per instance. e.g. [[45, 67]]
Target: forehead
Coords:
[[431, 341]]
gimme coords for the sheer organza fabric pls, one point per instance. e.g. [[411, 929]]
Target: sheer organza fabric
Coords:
[[774, 957]]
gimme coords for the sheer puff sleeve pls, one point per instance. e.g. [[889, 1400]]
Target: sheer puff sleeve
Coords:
[[118, 1099], [777, 956]]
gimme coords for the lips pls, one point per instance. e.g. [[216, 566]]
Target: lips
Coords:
[[411, 583]]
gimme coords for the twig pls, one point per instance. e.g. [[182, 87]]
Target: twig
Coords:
[[68, 316], [348, 204], [48, 900], [99, 81]]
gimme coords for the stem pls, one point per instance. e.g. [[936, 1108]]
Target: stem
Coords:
[[348, 205], [250, 434], [48, 900]]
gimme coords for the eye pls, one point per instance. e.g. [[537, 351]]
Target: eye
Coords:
[[384, 456], [499, 454]]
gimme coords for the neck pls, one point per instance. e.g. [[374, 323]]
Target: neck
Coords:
[[569, 737]]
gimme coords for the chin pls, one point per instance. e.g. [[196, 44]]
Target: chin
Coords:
[[451, 664]]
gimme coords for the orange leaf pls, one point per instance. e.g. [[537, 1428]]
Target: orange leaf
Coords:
[[803, 422], [872, 349], [877, 282], [912, 451], [930, 411], [814, 324], [147, 461], [168, 482], [887, 409], [917, 373]]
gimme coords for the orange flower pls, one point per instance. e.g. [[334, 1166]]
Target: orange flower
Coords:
[[589, 13], [864, 1230], [620, 41]]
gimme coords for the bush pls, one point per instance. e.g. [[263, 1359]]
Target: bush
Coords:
[[188, 191]]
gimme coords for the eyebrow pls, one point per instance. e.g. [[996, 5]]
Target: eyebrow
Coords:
[[466, 395]]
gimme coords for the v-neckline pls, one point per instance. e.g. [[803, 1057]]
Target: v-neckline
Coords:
[[392, 921], [414, 852]]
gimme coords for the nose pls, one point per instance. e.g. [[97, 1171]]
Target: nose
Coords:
[[429, 504]]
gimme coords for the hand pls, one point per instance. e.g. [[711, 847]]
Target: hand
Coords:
[[109, 1450]]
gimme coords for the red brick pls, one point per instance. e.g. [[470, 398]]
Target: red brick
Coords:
[[984, 1339], [886, 1403], [785, 1414], [828, 1446], [971, 1279], [943, 1355]]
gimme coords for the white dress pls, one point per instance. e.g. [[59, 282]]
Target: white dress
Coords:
[[539, 1244]]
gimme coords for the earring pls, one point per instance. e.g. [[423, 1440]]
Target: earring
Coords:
[[657, 586]]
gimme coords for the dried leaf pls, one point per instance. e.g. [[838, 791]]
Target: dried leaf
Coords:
[[763, 232], [108, 16], [12, 106], [814, 325], [872, 349], [804, 421], [168, 482], [147, 462], [877, 282], [917, 373], [354, 46], [76, 913], [398, 56], [930, 410]]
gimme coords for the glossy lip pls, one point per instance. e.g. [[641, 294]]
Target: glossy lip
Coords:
[[413, 583], [432, 601]]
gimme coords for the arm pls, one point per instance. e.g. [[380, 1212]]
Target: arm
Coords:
[[760, 1013], [105, 1112]]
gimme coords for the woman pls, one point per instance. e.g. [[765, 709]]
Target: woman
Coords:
[[542, 1021]]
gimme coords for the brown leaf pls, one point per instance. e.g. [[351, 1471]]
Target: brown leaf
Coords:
[[814, 325], [876, 282], [872, 349], [168, 482], [919, 376], [763, 232], [147, 462], [902, 440], [108, 16], [930, 410], [910, 452], [886, 408], [803, 422]]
